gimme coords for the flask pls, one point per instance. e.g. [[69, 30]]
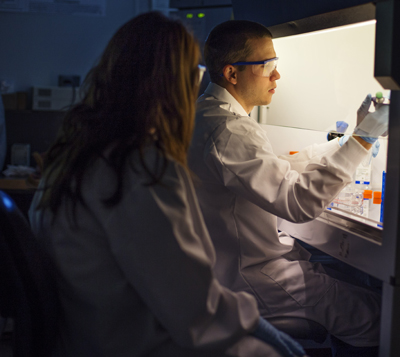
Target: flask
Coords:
[[349, 200]]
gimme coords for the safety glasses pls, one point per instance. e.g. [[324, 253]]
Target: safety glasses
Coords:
[[202, 69], [261, 68]]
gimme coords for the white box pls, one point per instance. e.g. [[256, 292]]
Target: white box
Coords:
[[55, 98], [20, 154]]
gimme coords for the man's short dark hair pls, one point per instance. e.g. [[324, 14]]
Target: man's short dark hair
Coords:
[[228, 42]]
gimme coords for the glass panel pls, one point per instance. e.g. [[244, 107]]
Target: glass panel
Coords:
[[325, 76]]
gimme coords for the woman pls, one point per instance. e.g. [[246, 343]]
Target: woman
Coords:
[[118, 214]]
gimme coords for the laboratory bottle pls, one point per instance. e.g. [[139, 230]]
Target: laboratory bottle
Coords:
[[367, 196], [375, 206], [362, 183], [362, 176]]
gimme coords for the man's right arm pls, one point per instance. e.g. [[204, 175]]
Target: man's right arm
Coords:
[[244, 162], [365, 144]]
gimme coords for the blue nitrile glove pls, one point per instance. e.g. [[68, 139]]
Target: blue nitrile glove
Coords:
[[343, 139], [278, 339], [341, 126], [371, 125], [375, 147]]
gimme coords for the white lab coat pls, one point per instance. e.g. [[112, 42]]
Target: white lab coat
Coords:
[[243, 186], [136, 279]]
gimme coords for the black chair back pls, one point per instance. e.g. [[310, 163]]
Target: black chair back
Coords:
[[28, 292]]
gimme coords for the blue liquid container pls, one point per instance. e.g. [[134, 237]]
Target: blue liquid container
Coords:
[[383, 196]]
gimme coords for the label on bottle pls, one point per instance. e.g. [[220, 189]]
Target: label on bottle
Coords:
[[363, 175], [365, 212]]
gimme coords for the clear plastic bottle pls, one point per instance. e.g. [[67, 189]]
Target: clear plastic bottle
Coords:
[[362, 183]]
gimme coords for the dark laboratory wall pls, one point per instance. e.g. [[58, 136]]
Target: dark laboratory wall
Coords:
[[36, 48]]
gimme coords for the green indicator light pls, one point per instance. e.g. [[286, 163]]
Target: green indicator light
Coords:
[[189, 16], [201, 15]]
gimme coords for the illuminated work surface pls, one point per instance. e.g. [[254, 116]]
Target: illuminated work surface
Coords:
[[347, 239]]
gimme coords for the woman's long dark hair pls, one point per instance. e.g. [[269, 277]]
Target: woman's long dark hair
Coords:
[[142, 90]]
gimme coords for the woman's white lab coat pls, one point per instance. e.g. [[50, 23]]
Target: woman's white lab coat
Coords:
[[243, 186], [136, 279]]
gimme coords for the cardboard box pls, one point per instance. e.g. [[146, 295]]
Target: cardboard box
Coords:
[[15, 101]]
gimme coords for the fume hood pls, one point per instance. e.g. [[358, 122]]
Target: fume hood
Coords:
[[331, 54]]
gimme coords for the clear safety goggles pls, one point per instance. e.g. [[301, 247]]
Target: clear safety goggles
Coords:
[[202, 69], [261, 68]]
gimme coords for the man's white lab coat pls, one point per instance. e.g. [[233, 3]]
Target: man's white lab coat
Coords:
[[243, 186]]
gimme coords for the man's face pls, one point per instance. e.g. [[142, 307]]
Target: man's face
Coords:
[[255, 90]]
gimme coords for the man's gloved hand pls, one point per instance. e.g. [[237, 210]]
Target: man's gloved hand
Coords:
[[341, 126], [343, 139], [278, 339], [371, 125], [375, 147]]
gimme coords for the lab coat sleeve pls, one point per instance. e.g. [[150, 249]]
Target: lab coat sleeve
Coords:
[[310, 154], [160, 241], [242, 159]]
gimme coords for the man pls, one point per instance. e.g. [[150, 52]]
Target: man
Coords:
[[244, 186]]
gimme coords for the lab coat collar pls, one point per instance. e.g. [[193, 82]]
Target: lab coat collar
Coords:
[[223, 95]]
